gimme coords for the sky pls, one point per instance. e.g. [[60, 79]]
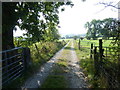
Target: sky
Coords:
[[72, 20]]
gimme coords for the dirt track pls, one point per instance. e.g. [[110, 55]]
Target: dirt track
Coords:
[[75, 77]]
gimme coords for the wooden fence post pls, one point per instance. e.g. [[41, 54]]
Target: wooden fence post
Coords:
[[100, 49], [91, 50], [27, 57], [95, 52], [96, 63], [118, 62], [79, 44]]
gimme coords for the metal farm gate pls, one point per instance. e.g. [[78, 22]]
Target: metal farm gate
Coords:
[[13, 64]]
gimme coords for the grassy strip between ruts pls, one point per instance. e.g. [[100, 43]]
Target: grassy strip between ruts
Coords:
[[54, 81], [57, 79]]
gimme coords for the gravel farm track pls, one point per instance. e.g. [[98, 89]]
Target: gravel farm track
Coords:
[[76, 78]]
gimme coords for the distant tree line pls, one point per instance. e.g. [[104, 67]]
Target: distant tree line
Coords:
[[72, 36], [105, 28]]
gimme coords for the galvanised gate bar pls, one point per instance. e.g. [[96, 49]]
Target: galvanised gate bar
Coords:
[[12, 64]]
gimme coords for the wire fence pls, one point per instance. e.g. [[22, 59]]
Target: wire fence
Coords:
[[107, 63]]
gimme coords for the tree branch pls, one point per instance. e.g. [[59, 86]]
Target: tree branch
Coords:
[[110, 4]]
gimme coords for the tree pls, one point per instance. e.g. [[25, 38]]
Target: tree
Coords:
[[9, 20], [92, 27], [116, 31], [88, 27], [75, 37], [51, 34], [30, 16], [81, 38], [109, 27], [105, 28]]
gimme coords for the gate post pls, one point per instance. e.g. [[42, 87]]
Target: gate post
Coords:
[[118, 64], [27, 56], [91, 50], [79, 44], [100, 50], [95, 61]]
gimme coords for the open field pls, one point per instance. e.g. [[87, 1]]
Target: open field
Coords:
[[87, 43], [64, 39]]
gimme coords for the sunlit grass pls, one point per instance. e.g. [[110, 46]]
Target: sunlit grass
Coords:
[[56, 79], [61, 63], [87, 43]]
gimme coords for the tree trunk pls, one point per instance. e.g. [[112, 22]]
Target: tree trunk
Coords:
[[7, 37], [9, 20]]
